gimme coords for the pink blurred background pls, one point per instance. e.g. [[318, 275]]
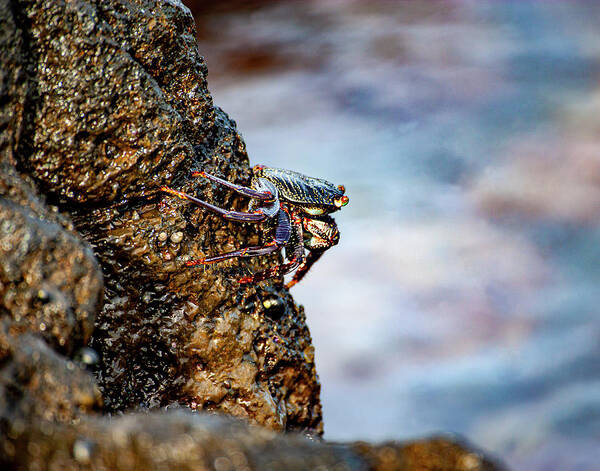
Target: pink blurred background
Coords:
[[463, 297]]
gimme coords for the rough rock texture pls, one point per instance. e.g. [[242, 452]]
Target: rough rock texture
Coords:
[[38, 384], [50, 281], [174, 441], [101, 102], [117, 105]]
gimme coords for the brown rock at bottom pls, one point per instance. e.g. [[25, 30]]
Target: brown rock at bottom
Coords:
[[36, 384], [184, 441], [435, 454]]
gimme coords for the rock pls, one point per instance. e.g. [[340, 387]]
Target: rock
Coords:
[[435, 454], [171, 441], [50, 281], [184, 441], [36, 384], [117, 106]]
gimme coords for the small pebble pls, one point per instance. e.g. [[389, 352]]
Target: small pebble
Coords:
[[470, 461], [177, 237], [162, 236]]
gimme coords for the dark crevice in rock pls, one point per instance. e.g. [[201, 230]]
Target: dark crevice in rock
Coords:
[[26, 74]]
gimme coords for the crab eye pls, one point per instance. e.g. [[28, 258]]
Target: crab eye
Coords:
[[342, 188], [257, 168], [343, 201]]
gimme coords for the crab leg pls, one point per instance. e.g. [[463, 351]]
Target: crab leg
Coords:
[[282, 235], [250, 192], [312, 257], [254, 251], [271, 272], [296, 260], [256, 216]]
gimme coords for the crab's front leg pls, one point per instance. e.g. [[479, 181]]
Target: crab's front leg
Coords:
[[256, 216], [324, 234], [263, 195]]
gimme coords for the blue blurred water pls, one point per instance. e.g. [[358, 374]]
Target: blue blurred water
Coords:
[[463, 296]]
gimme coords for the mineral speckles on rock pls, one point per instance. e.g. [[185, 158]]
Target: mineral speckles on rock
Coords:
[[101, 124], [173, 441], [146, 338], [176, 237], [440, 454], [49, 280]]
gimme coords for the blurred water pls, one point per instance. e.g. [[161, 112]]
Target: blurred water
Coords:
[[463, 295]]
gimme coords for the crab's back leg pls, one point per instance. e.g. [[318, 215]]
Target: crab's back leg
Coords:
[[256, 216], [250, 192], [253, 251], [311, 258], [296, 259], [282, 235]]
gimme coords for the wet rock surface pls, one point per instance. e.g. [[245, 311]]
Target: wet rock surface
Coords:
[[50, 281], [38, 384], [101, 103], [436, 454], [117, 106]]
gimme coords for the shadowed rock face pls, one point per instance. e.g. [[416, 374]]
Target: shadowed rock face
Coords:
[[100, 104], [36, 384]]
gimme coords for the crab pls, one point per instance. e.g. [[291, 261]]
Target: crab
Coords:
[[298, 207]]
